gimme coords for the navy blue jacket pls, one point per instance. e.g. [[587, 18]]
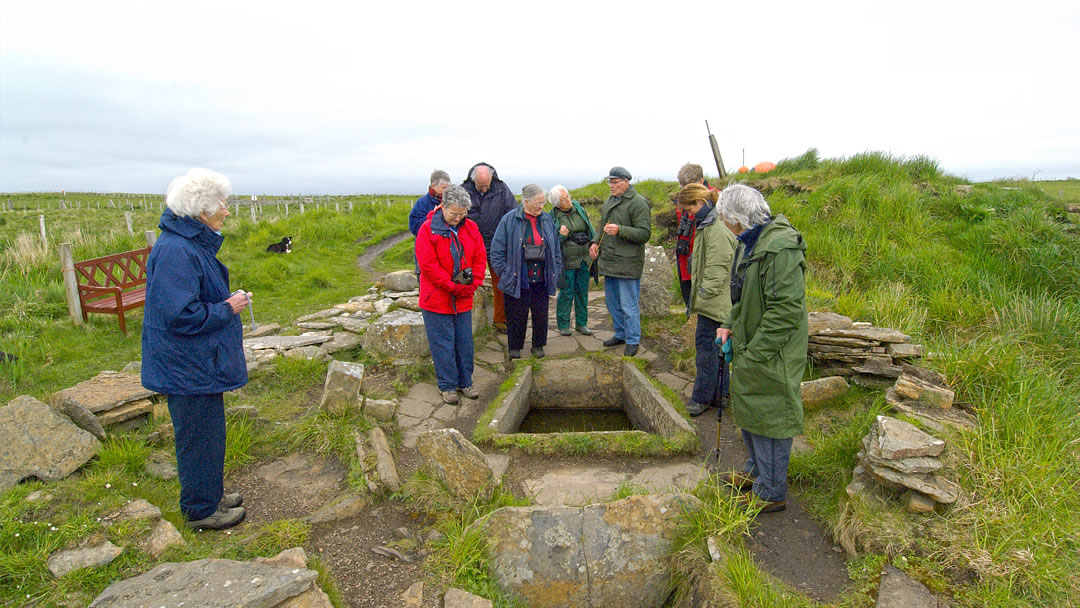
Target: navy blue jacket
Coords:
[[490, 207], [420, 210], [192, 342], [508, 257]]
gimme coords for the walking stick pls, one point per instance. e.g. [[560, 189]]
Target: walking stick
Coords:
[[594, 271]]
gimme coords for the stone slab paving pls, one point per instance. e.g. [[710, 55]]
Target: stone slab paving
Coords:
[[674, 382], [490, 357], [589, 343], [421, 410], [580, 485], [561, 345]]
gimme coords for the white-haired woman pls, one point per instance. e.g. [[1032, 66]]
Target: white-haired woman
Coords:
[[575, 233], [192, 341], [768, 331]]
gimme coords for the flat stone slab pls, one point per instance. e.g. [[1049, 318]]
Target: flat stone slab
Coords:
[[898, 590], [209, 583], [266, 329], [283, 342], [38, 441], [63, 562], [105, 391], [425, 392], [490, 357], [322, 314], [309, 476], [579, 485], [672, 381], [561, 345]]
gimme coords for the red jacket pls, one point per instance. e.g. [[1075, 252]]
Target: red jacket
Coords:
[[438, 293]]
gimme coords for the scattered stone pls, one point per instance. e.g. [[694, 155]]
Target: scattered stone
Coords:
[[266, 329], [399, 333], [283, 343], [916, 389], [82, 417], [319, 332], [341, 341], [927, 375], [305, 476], [134, 367], [390, 553], [163, 537], [242, 412], [934, 486], [161, 465], [209, 583], [306, 352], [112, 396], [401, 280], [714, 549], [413, 597], [934, 418], [877, 383], [878, 334], [63, 562], [384, 460], [905, 351], [343, 386], [397, 295], [409, 303], [126, 412], [322, 314], [655, 282], [612, 554], [383, 306], [138, 509], [822, 390], [498, 463], [383, 410], [352, 324], [917, 502], [827, 321], [898, 590], [458, 598], [879, 366], [861, 482], [964, 189], [37, 495], [352, 307], [446, 455], [317, 325], [402, 533], [343, 508], [895, 439], [490, 357], [289, 558], [38, 441]]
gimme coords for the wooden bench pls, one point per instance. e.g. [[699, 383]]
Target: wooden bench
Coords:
[[113, 284]]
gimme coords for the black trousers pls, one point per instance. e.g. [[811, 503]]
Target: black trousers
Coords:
[[534, 299]]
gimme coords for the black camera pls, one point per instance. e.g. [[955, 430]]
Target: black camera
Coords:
[[463, 276], [579, 238], [686, 228]]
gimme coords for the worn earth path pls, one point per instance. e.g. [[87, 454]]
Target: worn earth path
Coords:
[[789, 544]]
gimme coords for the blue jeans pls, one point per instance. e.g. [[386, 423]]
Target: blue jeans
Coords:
[[711, 382], [767, 461], [199, 425], [621, 296], [450, 339]]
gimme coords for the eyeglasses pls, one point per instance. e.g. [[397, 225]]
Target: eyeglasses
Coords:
[[456, 214]]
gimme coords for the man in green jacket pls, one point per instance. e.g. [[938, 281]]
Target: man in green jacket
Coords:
[[620, 253], [709, 295], [768, 329]]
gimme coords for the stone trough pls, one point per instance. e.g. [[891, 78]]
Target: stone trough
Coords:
[[596, 385]]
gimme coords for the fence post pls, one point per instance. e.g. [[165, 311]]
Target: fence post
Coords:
[[252, 213], [41, 223], [71, 284], [127, 218], [301, 206], [286, 208], [151, 238], [350, 205]]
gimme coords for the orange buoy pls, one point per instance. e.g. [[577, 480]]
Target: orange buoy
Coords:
[[764, 167], [744, 169]]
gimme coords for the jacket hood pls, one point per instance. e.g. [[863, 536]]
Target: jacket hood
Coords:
[[710, 219], [779, 235], [190, 229], [468, 174]]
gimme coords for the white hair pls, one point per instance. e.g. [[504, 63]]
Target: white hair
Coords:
[[456, 196], [744, 206], [199, 191], [439, 177], [555, 194], [531, 191]]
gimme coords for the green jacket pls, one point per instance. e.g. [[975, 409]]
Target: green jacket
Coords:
[[623, 256], [573, 253], [769, 327], [710, 269]]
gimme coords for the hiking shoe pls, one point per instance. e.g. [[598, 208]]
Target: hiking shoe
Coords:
[[773, 507], [231, 501], [499, 327], [631, 350], [565, 332], [470, 392], [538, 352], [696, 409], [515, 354], [613, 342], [584, 330], [740, 481], [449, 397], [221, 519]]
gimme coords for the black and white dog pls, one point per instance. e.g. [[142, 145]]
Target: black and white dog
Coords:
[[282, 246]]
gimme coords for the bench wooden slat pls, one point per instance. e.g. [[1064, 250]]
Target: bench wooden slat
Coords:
[[113, 284]]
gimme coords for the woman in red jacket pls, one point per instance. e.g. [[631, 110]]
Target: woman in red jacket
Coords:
[[452, 261]]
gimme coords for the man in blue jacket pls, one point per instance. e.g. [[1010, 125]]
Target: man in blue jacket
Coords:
[[439, 182], [491, 200]]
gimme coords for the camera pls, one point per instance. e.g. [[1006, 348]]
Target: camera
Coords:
[[579, 238], [463, 276], [686, 228]]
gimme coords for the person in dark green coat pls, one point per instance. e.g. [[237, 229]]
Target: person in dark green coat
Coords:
[[575, 232], [709, 295], [619, 251], [768, 331]]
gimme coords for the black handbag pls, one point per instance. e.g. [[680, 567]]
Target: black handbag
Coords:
[[535, 253]]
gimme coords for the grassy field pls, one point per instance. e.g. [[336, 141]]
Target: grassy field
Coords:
[[988, 279]]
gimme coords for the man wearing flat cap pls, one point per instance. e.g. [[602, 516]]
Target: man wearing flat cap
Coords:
[[620, 253]]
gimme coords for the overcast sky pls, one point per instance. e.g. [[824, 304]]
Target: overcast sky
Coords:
[[359, 97]]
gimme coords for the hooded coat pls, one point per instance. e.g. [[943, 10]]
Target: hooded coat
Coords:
[[507, 254], [438, 292], [622, 256], [769, 328], [489, 207], [192, 341], [573, 253], [710, 290]]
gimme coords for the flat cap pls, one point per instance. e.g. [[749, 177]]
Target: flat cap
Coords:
[[619, 173]]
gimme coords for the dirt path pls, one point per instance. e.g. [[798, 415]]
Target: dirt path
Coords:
[[365, 260]]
